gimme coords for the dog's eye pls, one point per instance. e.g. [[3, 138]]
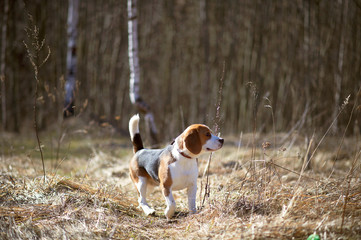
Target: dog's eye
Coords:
[[208, 134]]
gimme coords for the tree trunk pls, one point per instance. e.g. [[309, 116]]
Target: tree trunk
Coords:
[[71, 64], [306, 50], [339, 70], [3, 64], [204, 34], [134, 82]]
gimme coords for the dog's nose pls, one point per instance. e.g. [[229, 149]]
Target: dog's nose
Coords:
[[221, 140]]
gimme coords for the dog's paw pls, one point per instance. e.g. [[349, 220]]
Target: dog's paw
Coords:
[[149, 211], [169, 212], [146, 209]]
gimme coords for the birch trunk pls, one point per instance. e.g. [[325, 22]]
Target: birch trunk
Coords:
[[204, 33], [3, 64], [134, 82], [339, 70], [71, 64]]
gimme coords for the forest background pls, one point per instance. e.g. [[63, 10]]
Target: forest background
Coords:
[[279, 80], [292, 61]]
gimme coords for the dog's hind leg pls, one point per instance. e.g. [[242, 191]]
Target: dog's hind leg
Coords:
[[142, 189]]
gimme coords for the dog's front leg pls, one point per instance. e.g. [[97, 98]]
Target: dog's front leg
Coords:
[[192, 194], [169, 211]]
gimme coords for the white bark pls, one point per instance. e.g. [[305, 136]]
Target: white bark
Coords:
[[133, 51], [204, 33], [3, 64], [134, 68], [71, 63]]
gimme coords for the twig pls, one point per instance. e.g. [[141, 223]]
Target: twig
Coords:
[[305, 162], [254, 118], [344, 133], [273, 120], [37, 45], [329, 128], [348, 179], [37, 131], [289, 170], [216, 131], [206, 187], [219, 101]]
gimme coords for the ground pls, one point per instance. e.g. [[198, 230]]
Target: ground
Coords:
[[256, 191]]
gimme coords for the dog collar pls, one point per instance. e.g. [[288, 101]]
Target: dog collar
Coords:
[[184, 155]]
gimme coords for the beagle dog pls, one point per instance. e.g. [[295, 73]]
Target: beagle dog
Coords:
[[172, 168]]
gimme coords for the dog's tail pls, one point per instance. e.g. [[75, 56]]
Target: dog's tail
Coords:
[[134, 133]]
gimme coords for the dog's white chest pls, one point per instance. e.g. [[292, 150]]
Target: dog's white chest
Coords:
[[184, 173]]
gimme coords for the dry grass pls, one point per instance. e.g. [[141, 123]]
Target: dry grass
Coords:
[[96, 200]]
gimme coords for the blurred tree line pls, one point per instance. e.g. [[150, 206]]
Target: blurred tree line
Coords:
[[301, 58]]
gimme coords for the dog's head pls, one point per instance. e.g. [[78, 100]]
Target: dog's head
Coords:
[[198, 138]]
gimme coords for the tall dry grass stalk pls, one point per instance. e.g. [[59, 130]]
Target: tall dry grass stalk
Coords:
[[347, 126], [305, 163], [255, 99], [34, 48], [346, 101], [348, 179], [269, 105], [216, 128]]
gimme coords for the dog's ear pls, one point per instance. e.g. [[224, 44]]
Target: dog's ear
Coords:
[[193, 142], [180, 142]]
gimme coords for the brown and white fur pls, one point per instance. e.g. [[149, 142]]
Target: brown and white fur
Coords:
[[172, 168]]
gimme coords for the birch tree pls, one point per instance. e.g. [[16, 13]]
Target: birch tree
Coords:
[[134, 83], [339, 70], [3, 64], [204, 34], [71, 64]]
